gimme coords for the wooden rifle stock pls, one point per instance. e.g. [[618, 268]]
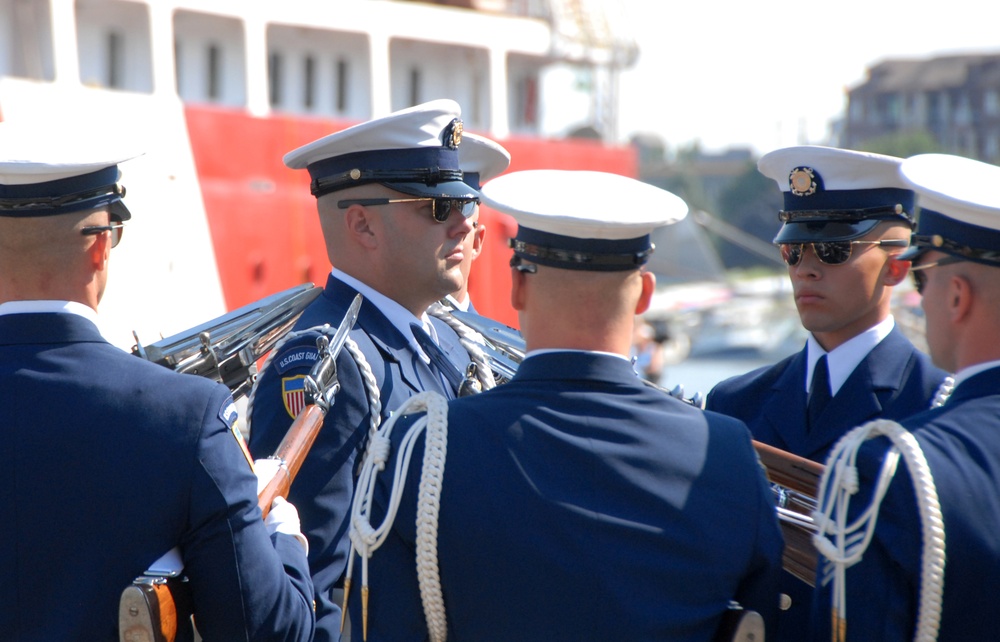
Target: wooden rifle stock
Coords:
[[800, 476], [788, 470], [292, 452]]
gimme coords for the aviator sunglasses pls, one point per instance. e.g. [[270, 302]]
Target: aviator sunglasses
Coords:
[[832, 252], [116, 229], [441, 208]]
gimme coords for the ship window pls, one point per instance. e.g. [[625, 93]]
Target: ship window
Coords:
[[26, 40], [476, 108], [214, 72], [342, 84], [115, 47], [179, 68], [527, 102], [319, 71], [309, 82], [414, 86], [274, 64], [210, 59], [420, 70]]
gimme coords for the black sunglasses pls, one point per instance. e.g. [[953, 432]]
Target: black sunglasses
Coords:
[[832, 252], [440, 207], [920, 279], [116, 229], [518, 264]]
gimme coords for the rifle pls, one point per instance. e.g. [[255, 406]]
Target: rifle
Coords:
[[157, 606], [227, 348], [321, 388], [795, 481]]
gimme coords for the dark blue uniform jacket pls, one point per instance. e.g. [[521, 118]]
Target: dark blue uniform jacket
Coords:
[[109, 461], [580, 504], [894, 381], [961, 442], [323, 490]]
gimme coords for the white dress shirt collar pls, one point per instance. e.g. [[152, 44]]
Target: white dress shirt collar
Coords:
[[842, 360], [398, 316]]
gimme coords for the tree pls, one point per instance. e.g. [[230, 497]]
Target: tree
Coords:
[[751, 202], [902, 144]]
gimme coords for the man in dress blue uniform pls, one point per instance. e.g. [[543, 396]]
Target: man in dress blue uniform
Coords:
[[577, 502], [109, 460], [847, 218], [956, 263], [481, 159], [394, 212]]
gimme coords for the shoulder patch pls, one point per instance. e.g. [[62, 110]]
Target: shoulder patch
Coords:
[[229, 416], [293, 394], [296, 357], [228, 413]]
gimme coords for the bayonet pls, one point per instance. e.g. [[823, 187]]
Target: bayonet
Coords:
[[228, 347]]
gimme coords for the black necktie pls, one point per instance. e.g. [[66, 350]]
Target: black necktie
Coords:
[[819, 391], [439, 361]]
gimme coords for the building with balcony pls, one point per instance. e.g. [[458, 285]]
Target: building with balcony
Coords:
[[955, 99]]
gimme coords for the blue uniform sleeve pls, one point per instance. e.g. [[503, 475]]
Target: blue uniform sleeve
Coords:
[[245, 585]]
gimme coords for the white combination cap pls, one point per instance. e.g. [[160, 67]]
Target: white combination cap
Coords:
[[46, 171], [959, 207], [835, 194], [481, 159], [413, 151], [583, 220]]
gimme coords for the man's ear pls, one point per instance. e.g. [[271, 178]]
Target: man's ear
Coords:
[[896, 271], [517, 295], [360, 225], [477, 240], [99, 251], [959, 298], [648, 287]]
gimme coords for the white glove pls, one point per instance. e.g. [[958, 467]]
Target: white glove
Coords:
[[284, 518], [265, 469]]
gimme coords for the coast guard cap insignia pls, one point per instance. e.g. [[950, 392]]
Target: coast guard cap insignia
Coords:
[[802, 181], [293, 394], [452, 135]]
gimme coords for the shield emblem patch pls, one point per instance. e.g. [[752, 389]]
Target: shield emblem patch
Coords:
[[293, 393]]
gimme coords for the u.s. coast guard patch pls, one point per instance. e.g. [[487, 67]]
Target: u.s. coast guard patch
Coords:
[[297, 357], [293, 394]]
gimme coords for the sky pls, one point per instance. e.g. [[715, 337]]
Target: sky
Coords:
[[766, 74]]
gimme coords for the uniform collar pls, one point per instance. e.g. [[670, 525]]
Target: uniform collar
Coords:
[[398, 316], [49, 307], [971, 371], [533, 353], [459, 305], [579, 365], [842, 360]]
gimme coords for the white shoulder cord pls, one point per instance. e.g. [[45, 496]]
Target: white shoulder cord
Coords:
[[470, 340], [943, 392], [840, 481], [371, 385], [366, 538]]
